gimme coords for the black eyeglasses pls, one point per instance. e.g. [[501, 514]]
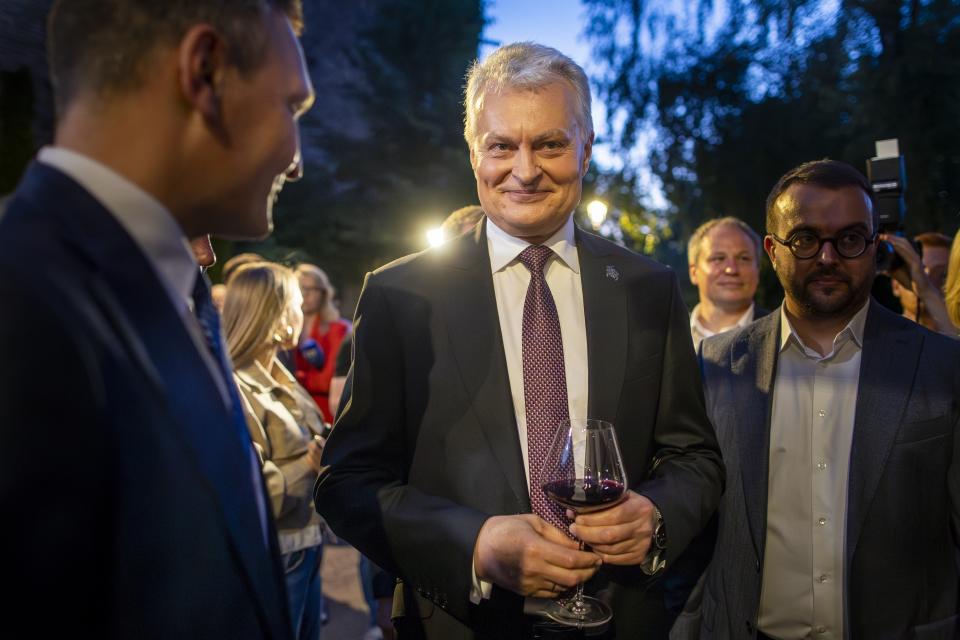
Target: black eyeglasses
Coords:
[[806, 244]]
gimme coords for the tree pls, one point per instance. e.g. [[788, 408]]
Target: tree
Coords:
[[739, 91], [372, 187]]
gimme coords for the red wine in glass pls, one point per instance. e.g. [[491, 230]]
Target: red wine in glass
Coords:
[[584, 495], [583, 471]]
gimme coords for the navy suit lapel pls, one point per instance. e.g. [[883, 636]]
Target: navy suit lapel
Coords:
[[134, 300], [477, 344], [753, 363], [891, 355], [605, 313]]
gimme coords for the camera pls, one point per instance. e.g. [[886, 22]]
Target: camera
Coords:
[[888, 179]]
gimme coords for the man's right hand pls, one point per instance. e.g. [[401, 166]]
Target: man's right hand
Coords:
[[529, 556]]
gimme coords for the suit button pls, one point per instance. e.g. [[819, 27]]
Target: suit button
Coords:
[[757, 564], [749, 627]]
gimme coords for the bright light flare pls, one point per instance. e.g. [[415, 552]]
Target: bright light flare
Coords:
[[597, 212], [435, 237]]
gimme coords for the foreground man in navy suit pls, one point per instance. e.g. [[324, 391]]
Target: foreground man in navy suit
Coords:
[[467, 357], [135, 501], [838, 422]]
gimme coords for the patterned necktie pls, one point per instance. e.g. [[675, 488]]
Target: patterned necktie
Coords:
[[544, 379]]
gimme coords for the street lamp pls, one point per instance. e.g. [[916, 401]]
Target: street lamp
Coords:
[[597, 212]]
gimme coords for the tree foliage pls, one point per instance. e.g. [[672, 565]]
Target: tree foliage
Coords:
[[371, 189], [739, 91]]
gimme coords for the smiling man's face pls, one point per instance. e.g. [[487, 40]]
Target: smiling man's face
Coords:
[[529, 158]]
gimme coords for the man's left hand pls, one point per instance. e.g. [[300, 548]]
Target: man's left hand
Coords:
[[620, 535]]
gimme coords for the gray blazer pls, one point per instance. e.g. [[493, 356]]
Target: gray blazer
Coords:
[[903, 511]]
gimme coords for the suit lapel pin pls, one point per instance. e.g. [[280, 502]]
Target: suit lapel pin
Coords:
[[613, 273]]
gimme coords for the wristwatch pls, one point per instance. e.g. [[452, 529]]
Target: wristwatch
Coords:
[[660, 532], [656, 555]]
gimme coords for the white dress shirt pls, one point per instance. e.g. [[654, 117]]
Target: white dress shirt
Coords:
[[811, 431], [161, 240], [510, 282], [698, 332]]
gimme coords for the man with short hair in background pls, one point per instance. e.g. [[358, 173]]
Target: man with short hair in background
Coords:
[[723, 255], [935, 254], [137, 507]]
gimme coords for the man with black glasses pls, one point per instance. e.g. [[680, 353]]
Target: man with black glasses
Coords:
[[837, 420]]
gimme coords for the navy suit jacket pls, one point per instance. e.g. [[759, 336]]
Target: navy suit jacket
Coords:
[[903, 504], [124, 481]]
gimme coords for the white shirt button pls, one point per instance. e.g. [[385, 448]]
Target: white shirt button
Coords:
[[821, 466], [822, 578], [821, 629], [821, 413], [822, 521]]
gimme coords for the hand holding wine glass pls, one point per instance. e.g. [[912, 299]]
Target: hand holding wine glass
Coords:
[[529, 556], [583, 471], [621, 535]]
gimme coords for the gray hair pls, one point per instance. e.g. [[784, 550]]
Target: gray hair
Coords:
[[525, 66], [696, 240]]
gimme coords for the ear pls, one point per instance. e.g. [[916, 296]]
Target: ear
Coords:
[[473, 158], [587, 155], [692, 272], [202, 65], [769, 246]]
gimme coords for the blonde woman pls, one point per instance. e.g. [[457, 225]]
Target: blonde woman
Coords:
[[952, 286], [261, 316]]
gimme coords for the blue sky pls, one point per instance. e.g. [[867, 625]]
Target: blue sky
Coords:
[[557, 24]]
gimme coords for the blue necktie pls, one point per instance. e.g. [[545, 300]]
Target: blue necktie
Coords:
[[209, 320]]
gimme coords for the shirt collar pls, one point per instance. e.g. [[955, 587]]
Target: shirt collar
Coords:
[[853, 331], [504, 248], [742, 321], [149, 223]]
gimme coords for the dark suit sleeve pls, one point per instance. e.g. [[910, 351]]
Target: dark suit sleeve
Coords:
[[953, 471], [688, 476], [362, 491], [55, 470]]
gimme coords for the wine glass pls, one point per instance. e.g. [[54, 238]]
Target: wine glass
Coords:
[[583, 471]]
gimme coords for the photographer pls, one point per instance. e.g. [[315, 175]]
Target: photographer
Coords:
[[913, 277]]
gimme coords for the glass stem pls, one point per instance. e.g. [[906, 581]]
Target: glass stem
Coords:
[[579, 597]]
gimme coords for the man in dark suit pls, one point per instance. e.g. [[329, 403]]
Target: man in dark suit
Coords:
[[136, 505], [468, 356], [723, 258], [838, 424]]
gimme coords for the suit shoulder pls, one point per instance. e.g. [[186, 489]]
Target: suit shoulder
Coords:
[[715, 348], [935, 344], [399, 267], [604, 246]]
